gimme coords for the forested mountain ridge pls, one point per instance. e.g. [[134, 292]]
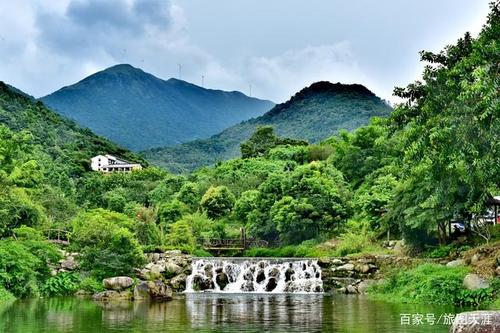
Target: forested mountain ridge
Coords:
[[56, 139], [314, 113], [138, 110]]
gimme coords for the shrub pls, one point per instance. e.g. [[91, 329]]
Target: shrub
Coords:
[[91, 285], [62, 284]]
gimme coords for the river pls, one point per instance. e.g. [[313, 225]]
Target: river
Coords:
[[216, 312]]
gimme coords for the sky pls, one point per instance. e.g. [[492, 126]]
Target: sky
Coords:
[[271, 48]]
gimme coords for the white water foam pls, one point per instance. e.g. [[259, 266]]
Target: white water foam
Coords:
[[230, 275]]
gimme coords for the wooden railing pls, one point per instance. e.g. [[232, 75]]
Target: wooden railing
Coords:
[[57, 236]]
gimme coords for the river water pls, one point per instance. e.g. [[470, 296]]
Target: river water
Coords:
[[221, 312]]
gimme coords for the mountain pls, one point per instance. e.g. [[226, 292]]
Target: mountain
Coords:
[[314, 113], [140, 111], [55, 138]]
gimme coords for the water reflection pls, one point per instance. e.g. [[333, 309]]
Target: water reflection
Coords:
[[216, 313]]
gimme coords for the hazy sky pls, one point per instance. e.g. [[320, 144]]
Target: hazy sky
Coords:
[[277, 46]]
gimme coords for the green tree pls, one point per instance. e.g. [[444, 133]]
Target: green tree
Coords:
[[218, 201]]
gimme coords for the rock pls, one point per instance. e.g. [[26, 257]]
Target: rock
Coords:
[[159, 290], [248, 276], [392, 243], [364, 285], [202, 283], [399, 248], [118, 283], [474, 281], [341, 290], [272, 283], [82, 293], [347, 267], [337, 262], [324, 262], [367, 260], [476, 322], [261, 276], [497, 270], [351, 289], [262, 264], [456, 263], [173, 253], [141, 291], [69, 264], [178, 283], [112, 295], [475, 258], [363, 269], [275, 273], [247, 286], [288, 274], [171, 270], [222, 280]]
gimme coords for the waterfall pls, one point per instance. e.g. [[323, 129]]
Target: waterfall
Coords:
[[236, 275]]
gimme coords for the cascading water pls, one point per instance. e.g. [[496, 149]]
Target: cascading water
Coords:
[[235, 275]]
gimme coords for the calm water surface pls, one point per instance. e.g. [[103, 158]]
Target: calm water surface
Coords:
[[218, 313]]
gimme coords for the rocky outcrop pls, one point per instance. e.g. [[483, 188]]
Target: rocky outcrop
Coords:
[[170, 267], [68, 263], [476, 322], [118, 283]]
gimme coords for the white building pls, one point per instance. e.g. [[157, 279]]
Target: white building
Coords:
[[110, 163]]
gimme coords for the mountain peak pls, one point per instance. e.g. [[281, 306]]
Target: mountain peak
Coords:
[[335, 88]]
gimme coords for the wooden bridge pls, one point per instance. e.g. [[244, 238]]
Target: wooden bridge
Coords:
[[242, 243], [57, 236]]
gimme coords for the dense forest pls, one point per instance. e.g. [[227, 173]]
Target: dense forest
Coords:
[[433, 159], [313, 114]]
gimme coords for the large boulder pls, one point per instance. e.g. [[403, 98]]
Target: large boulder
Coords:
[[141, 291], [222, 280], [118, 283], [159, 290], [347, 267], [272, 283], [202, 283], [474, 281], [476, 322], [178, 283], [171, 269], [112, 295]]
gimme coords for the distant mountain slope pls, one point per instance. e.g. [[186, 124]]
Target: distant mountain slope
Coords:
[[58, 139], [140, 111], [314, 113]]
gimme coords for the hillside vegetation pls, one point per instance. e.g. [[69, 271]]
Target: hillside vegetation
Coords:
[[313, 114], [139, 111], [435, 158]]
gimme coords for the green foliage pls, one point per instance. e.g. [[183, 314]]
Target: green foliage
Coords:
[[61, 284], [315, 113], [171, 212], [431, 284], [91, 285], [217, 201], [107, 246], [24, 263], [181, 236], [5, 296]]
